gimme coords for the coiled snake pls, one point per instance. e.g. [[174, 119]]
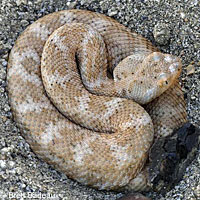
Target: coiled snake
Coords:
[[75, 82]]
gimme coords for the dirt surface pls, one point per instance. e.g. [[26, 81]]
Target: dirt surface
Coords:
[[173, 26]]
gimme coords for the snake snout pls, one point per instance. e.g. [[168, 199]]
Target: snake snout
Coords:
[[173, 63], [171, 66], [176, 66]]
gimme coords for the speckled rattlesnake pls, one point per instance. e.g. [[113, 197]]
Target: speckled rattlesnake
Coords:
[[98, 138]]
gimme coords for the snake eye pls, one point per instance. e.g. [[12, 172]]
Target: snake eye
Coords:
[[166, 82]]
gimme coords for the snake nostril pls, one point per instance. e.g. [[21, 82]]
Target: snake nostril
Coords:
[[173, 67]]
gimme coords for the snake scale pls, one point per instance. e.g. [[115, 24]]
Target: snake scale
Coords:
[[75, 82]]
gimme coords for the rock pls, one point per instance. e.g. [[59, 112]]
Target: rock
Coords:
[[190, 69], [161, 33], [169, 157]]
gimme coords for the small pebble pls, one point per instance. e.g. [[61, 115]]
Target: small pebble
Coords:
[[19, 2], [4, 63], [182, 14], [161, 33], [24, 23], [197, 191], [11, 164], [112, 13], [190, 69], [71, 5], [3, 164]]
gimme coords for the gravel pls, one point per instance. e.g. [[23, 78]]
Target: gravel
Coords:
[[176, 27]]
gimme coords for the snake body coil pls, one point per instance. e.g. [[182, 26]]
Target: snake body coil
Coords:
[[78, 118]]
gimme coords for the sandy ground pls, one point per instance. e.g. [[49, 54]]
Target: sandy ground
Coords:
[[21, 172]]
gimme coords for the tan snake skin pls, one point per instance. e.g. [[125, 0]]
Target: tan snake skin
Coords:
[[90, 126]]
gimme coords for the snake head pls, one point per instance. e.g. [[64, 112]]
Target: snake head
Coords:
[[165, 68], [143, 78]]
